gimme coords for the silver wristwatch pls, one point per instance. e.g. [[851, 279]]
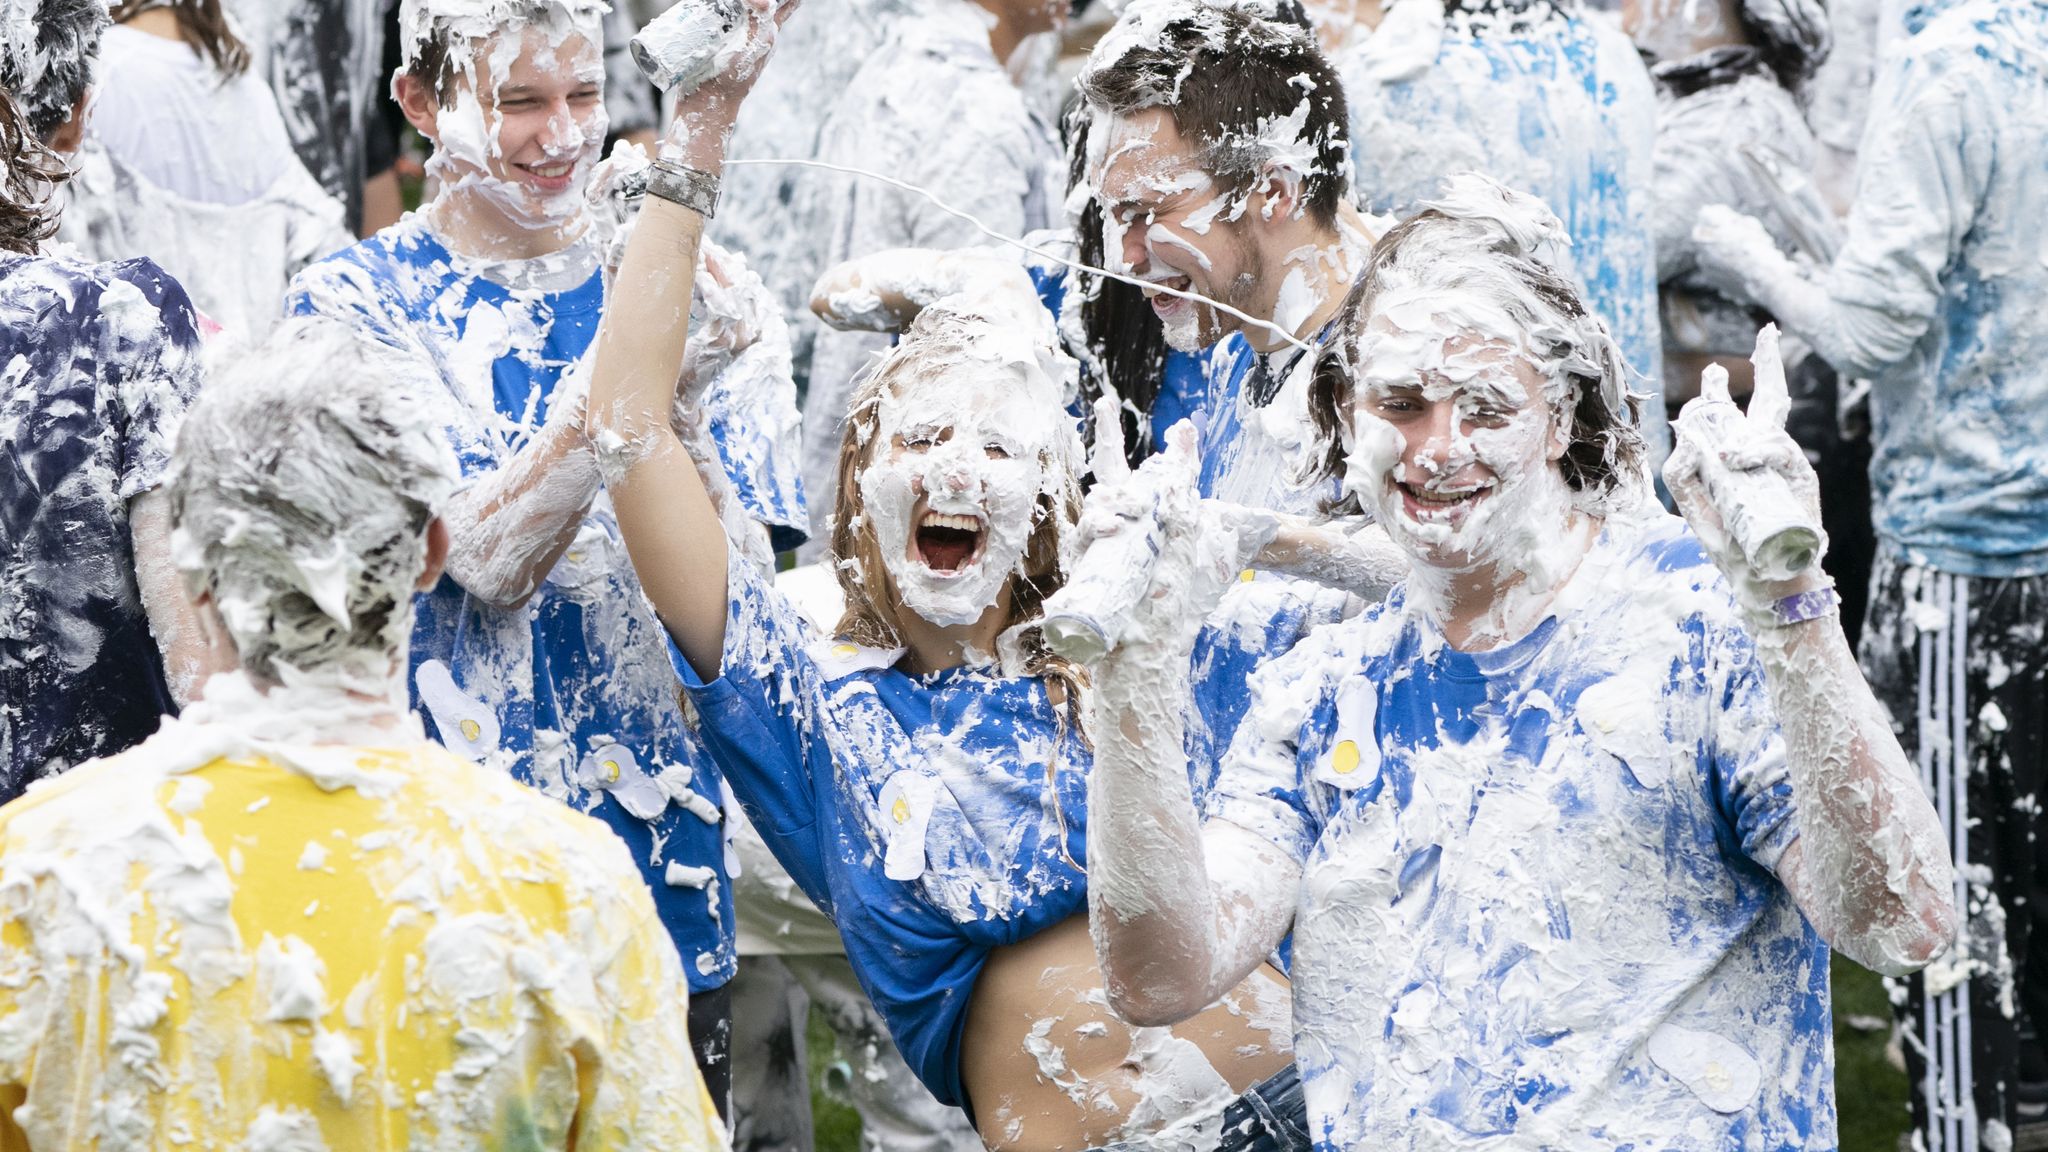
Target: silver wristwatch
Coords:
[[695, 190]]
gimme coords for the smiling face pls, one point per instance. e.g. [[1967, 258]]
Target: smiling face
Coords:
[[966, 463], [1455, 441], [1168, 221], [526, 124]]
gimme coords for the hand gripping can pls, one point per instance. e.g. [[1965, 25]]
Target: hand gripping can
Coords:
[[686, 45], [1084, 619]]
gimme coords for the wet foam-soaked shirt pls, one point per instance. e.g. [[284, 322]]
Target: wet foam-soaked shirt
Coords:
[[1537, 903], [964, 783], [1944, 264], [575, 690], [208, 945], [97, 364], [1550, 100]]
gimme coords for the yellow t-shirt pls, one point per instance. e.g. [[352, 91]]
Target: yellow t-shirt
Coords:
[[330, 948]]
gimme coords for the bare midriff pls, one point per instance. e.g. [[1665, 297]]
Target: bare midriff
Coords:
[[1050, 1069]]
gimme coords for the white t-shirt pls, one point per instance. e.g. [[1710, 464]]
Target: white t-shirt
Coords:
[[163, 112]]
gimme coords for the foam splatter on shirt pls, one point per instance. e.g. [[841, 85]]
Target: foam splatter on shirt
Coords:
[[1550, 101], [1943, 275], [1537, 903], [215, 941], [575, 690], [963, 781], [97, 363]]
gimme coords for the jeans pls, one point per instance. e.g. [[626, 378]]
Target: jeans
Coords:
[[1270, 1117]]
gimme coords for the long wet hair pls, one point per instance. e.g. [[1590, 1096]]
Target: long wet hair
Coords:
[[203, 25], [28, 208], [1604, 456], [873, 605]]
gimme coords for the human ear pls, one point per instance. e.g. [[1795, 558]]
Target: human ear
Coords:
[[437, 555], [70, 135], [422, 107]]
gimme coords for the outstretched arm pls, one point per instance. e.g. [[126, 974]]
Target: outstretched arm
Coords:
[[1180, 912], [1871, 868], [672, 528]]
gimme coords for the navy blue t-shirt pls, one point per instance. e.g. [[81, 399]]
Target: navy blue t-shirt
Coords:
[[97, 364]]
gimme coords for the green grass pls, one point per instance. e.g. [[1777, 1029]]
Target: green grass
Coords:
[[1869, 1093], [836, 1125]]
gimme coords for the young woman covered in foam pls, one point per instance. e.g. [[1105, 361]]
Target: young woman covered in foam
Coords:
[[922, 773], [1562, 827]]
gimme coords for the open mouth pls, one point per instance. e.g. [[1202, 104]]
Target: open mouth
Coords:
[[1161, 302], [553, 176], [949, 543], [1437, 504]]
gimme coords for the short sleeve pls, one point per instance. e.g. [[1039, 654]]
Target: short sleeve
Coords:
[[763, 708], [1259, 787], [1752, 776], [150, 351]]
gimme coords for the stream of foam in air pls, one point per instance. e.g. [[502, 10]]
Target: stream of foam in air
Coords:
[[1042, 254]]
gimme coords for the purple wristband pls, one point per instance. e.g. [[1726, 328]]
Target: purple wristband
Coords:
[[1800, 607]]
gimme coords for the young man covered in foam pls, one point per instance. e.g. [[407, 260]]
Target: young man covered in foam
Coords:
[[102, 360], [1563, 829], [921, 770], [1549, 98], [939, 105], [1935, 296], [537, 651], [288, 920]]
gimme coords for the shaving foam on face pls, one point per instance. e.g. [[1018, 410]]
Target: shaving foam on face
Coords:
[[974, 434], [494, 45]]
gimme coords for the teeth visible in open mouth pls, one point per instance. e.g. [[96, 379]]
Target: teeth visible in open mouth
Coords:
[[551, 171], [1157, 288], [957, 523], [1427, 496]]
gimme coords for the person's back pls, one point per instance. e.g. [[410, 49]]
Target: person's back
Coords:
[[289, 921], [188, 162], [1549, 100], [233, 934], [102, 359]]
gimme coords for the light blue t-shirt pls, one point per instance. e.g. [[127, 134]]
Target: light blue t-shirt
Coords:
[[575, 691], [1945, 272], [1548, 100], [1537, 898]]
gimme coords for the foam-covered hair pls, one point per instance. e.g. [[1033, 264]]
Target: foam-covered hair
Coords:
[[48, 49], [1486, 242], [302, 485]]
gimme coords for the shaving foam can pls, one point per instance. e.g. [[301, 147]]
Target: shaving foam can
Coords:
[[1761, 513], [682, 47], [1084, 619]]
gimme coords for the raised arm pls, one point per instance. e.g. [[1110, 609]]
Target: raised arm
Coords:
[[1871, 867], [672, 528], [1180, 912]]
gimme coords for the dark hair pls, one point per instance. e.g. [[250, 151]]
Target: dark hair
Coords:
[[1604, 451], [27, 214], [431, 59], [203, 25], [1222, 74], [67, 44], [1126, 342]]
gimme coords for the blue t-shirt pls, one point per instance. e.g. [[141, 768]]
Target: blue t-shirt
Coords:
[[853, 771], [575, 691], [1537, 898], [97, 364]]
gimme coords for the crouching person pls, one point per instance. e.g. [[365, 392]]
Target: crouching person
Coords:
[[287, 920], [1564, 828]]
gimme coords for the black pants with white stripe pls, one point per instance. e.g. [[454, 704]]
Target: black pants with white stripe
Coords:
[[1962, 665]]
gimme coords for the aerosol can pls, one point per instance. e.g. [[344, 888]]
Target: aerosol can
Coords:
[[1763, 516], [686, 45], [1084, 619]]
